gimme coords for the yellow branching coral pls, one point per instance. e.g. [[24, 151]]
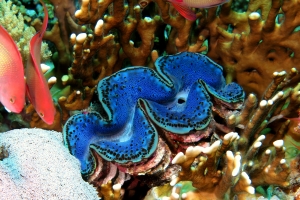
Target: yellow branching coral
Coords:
[[246, 43], [239, 161], [254, 44], [13, 21]]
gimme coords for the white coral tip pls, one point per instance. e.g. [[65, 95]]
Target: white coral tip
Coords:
[[280, 94], [254, 16], [189, 150], [193, 151], [184, 196], [81, 37], [174, 181], [270, 102], [212, 148], [278, 143], [78, 13], [137, 7], [282, 161], [179, 158], [267, 168], [263, 103], [117, 187], [257, 145], [235, 172], [228, 136], [73, 38], [231, 136], [98, 27], [282, 73], [260, 138], [237, 164], [175, 195], [246, 177], [229, 155], [148, 19], [250, 163], [44, 68], [250, 190], [52, 80], [251, 95]]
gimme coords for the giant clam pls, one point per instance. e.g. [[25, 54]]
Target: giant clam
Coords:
[[144, 111]]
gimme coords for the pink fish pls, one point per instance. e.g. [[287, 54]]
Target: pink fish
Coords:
[[37, 87], [297, 119], [183, 6], [12, 83]]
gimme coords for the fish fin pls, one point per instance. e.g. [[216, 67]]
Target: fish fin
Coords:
[[35, 45], [274, 118], [33, 68], [184, 10], [296, 119], [35, 50]]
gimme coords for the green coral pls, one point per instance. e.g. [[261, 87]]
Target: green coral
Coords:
[[12, 19]]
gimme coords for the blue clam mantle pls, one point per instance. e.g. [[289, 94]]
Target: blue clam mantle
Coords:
[[138, 101]]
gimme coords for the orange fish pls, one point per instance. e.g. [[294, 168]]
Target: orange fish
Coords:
[[37, 87], [183, 6], [12, 83]]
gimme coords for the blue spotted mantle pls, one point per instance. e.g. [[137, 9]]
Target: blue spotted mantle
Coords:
[[138, 101]]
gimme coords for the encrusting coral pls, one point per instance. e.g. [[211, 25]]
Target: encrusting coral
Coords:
[[34, 164]]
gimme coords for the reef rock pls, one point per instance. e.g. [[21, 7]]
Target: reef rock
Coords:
[[34, 164]]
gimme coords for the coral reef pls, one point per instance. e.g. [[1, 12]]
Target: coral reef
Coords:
[[61, 31], [246, 44], [34, 164], [106, 36], [234, 146], [259, 42]]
